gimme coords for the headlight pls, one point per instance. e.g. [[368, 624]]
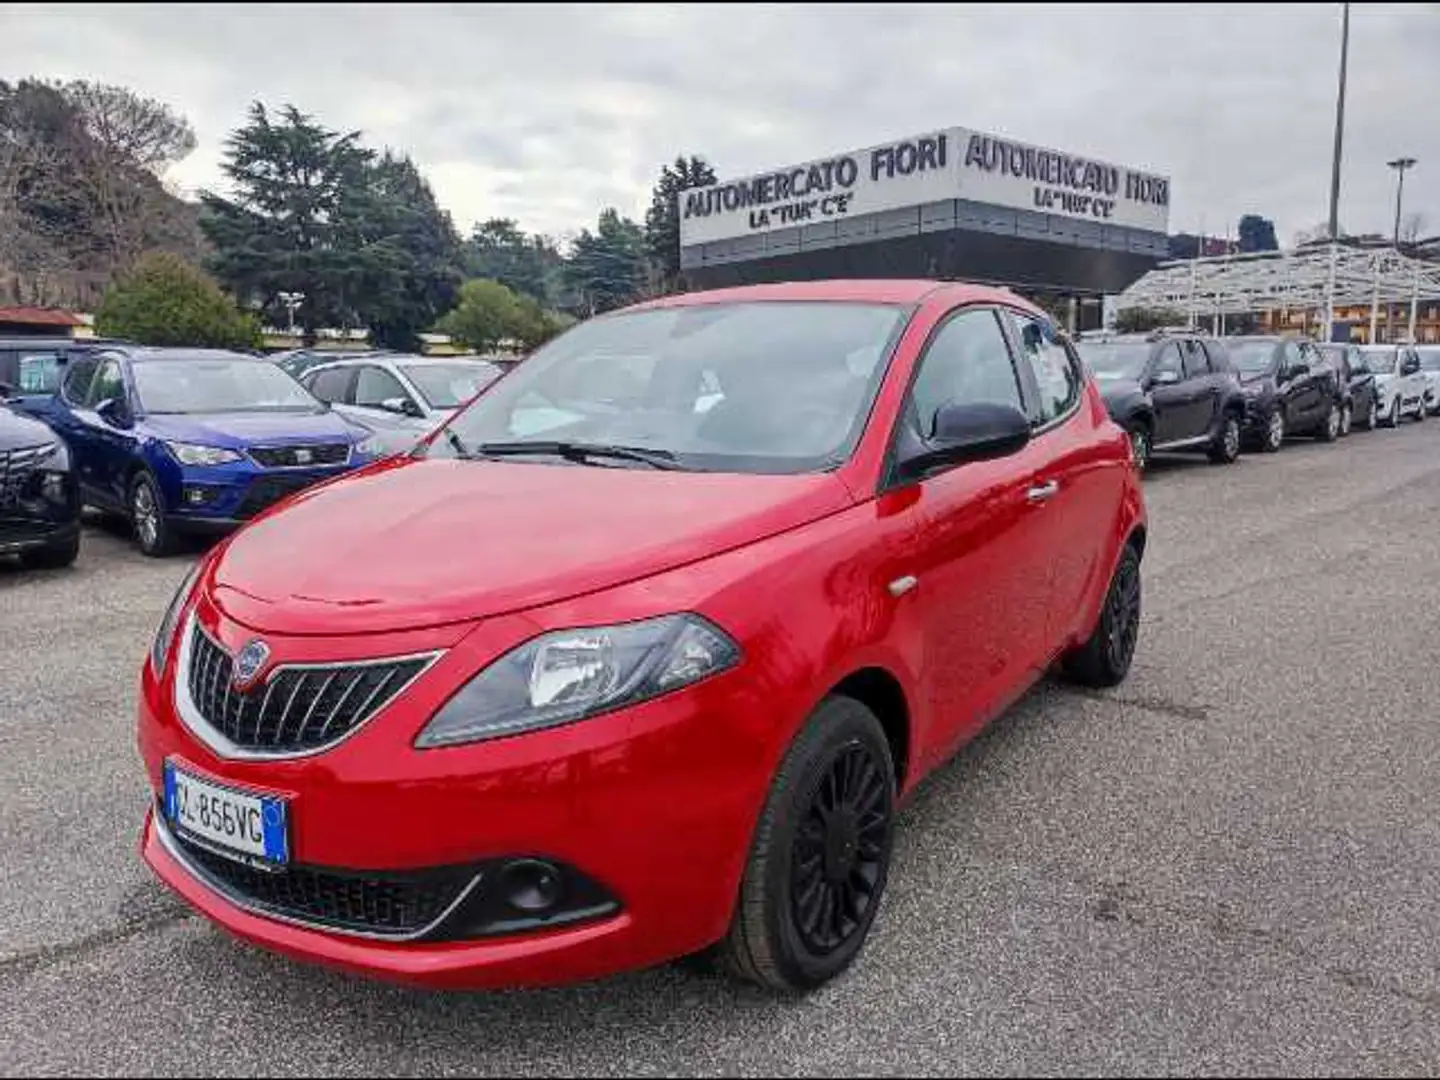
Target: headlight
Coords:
[[569, 675], [165, 634], [372, 446], [57, 460], [190, 454]]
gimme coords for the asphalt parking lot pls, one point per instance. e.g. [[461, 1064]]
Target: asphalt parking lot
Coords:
[[1231, 864]]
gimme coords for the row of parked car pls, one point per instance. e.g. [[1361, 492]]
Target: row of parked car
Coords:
[[183, 441], [1178, 390]]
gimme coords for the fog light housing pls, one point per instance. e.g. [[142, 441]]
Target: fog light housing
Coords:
[[531, 886], [195, 495], [526, 893]]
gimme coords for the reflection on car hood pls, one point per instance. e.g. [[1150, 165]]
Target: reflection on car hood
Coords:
[[237, 430], [414, 542]]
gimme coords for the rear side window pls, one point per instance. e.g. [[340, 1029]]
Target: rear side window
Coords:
[[1057, 374], [1197, 364], [39, 373], [376, 385], [108, 385]]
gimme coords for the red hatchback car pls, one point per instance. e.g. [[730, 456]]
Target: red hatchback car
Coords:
[[635, 658]]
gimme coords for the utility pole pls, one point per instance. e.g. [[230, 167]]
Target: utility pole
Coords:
[[1339, 126], [1399, 165]]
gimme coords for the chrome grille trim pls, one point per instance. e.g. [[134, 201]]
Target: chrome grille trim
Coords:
[[16, 467], [217, 741]]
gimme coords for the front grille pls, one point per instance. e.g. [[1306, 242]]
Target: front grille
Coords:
[[268, 490], [289, 457], [390, 904], [299, 708], [16, 466]]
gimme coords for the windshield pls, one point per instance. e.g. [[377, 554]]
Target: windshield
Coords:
[[774, 387], [1251, 357], [448, 386], [1115, 359], [1429, 359], [201, 386], [1380, 361]]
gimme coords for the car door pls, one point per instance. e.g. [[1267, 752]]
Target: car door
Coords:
[[1173, 397], [1203, 402], [981, 563], [110, 448], [63, 416], [1297, 388], [1412, 382], [375, 385]]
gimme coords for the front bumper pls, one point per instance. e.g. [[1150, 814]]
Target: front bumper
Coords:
[[223, 497], [655, 804], [17, 536]]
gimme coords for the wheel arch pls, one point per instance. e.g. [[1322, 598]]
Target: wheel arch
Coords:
[[880, 691]]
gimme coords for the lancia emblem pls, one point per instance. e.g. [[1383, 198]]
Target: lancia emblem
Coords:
[[303, 456], [249, 662]]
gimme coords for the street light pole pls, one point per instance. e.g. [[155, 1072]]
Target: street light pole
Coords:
[[1335, 171], [1399, 165]]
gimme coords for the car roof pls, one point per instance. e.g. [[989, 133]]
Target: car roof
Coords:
[[855, 290], [152, 354], [409, 359]]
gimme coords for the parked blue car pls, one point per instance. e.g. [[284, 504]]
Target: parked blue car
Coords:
[[193, 440]]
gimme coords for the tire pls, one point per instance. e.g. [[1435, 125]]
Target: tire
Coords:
[[147, 518], [1140, 443], [1104, 660], [1329, 429], [1226, 448], [1347, 420], [1369, 424], [54, 556], [1393, 420], [1420, 412], [1273, 437], [841, 750]]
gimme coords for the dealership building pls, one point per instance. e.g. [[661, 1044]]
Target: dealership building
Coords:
[[1063, 228]]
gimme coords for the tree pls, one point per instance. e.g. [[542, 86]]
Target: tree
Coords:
[[529, 265], [662, 220], [299, 192], [487, 314], [165, 301], [1411, 226], [606, 268], [1257, 234], [1138, 320], [407, 265]]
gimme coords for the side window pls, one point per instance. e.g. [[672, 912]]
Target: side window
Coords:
[[1168, 360], [330, 386], [1197, 364], [107, 385], [1056, 373], [1216, 352], [40, 373], [79, 373], [968, 362], [1291, 355], [374, 385]]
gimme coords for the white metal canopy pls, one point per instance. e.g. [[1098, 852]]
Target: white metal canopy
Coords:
[[1319, 278]]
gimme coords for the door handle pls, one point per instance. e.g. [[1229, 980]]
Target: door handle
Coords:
[[1043, 492]]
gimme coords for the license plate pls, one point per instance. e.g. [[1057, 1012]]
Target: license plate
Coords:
[[244, 826]]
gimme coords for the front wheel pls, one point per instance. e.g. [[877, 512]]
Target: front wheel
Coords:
[[821, 854], [1226, 448], [1140, 446], [1346, 420], [1329, 429], [147, 517], [1369, 422], [1392, 419], [1274, 436], [1420, 412], [1104, 659]]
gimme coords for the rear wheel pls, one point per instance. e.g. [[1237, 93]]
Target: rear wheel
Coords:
[[820, 857], [1104, 659], [1226, 448], [1140, 444]]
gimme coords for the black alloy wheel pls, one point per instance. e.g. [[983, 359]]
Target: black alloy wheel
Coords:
[[1226, 449], [820, 855], [1104, 660]]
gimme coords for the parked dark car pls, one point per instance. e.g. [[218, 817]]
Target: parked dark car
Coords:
[[192, 440], [1289, 390], [39, 495], [31, 367], [1358, 392], [1169, 392]]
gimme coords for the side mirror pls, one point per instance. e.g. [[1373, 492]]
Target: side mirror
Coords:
[[1410, 367], [980, 432], [114, 412], [1294, 371], [402, 405], [1167, 377]]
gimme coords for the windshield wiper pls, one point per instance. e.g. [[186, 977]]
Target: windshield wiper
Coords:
[[580, 452], [457, 444]]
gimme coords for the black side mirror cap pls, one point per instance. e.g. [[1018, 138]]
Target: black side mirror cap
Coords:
[[115, 412], [979, 432]]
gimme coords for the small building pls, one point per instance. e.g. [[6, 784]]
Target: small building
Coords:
[[40, 322]]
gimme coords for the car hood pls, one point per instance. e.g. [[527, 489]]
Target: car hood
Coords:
[[1116, 391], [19, 432], [415, 543], [240, 429]]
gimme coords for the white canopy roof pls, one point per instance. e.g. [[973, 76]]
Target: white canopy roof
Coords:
[[1277, 280]]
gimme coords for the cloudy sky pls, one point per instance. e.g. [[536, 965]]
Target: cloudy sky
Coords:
[[547, 114]]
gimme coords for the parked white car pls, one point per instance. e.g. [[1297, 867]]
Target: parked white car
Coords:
[[1400, 385], [401, 398], [1430, 367]]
